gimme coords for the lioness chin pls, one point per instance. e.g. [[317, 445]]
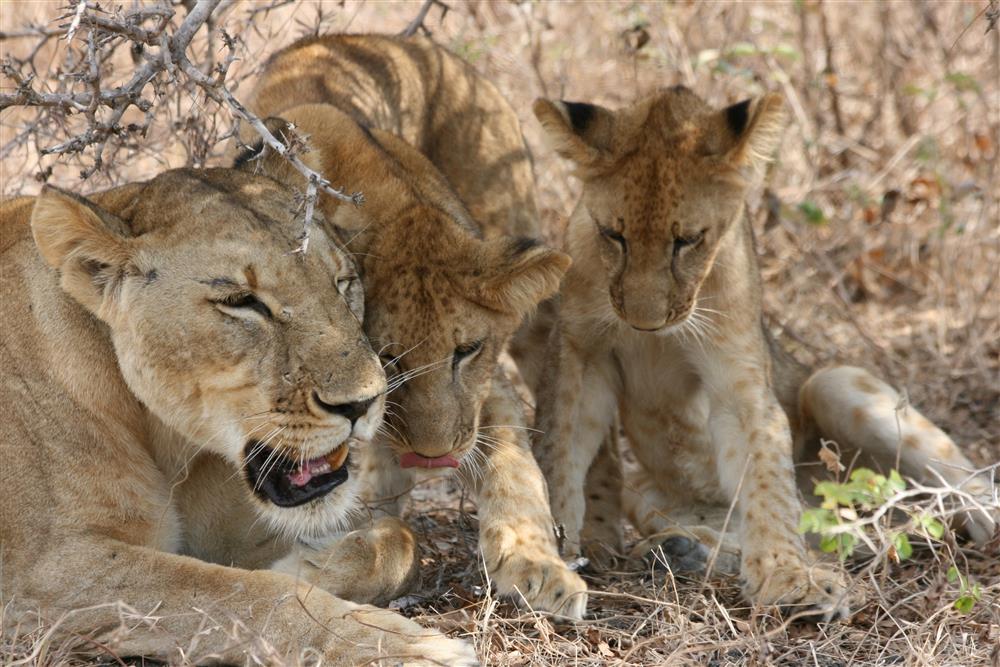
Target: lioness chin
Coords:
[[154, 332]]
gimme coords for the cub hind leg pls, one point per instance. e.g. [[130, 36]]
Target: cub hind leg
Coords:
[[859, 411]]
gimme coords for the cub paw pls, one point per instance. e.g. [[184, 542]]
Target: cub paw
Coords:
[[543, 584], [817, 592], [369, 566]]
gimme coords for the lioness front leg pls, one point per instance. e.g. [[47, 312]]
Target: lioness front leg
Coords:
[[515, 524], [754, 462], [197, 612]]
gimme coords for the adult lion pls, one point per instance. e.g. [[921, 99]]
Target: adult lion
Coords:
[[165, 327]]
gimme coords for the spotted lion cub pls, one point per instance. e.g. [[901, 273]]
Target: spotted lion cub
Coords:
[[661, 318]]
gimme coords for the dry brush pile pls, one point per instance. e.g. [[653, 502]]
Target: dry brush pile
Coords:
[[878, 228]]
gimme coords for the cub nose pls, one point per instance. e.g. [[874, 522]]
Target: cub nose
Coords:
[[350, 411]]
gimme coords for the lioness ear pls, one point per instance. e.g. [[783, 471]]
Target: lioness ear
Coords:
[[579, 132], [520, 274], [747, 133], [86, 244]]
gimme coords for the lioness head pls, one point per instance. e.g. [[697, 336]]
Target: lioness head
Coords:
[[441, 301], [664, 180], [227, 336]]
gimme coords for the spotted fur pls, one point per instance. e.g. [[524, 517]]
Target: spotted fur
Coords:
[[660, 322]]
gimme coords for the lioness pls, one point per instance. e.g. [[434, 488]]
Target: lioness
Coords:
[[166, 328], [442, 302], [661, 319]]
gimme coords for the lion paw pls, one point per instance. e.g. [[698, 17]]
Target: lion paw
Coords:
[[543, 584], [413, 645], [818, 592]]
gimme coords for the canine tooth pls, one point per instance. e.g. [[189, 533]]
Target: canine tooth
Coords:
[[336, 458]]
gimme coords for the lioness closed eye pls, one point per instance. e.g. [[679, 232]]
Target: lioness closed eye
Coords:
[[154, 333], [661, 319]]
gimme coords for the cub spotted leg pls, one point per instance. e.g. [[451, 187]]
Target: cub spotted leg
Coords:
[[515, 525], [602, 539], [575, 412], [753, 442], [859, 411], [688, 538]]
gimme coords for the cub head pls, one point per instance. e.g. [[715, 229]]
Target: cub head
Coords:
[[663, 182], [441, 302], [240, 345]]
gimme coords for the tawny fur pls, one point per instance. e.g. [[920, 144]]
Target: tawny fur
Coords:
[[128, 397], [660, 322], [447, 181]]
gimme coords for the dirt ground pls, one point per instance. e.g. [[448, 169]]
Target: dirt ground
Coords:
[[879, 235]]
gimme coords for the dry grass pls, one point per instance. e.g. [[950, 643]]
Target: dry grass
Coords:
[[879, 241]]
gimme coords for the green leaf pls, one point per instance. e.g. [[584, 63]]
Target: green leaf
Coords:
[[896, 482], [813, 214], [965, 604], [931, 526], [902, 543], [962, 81], [953, 574]]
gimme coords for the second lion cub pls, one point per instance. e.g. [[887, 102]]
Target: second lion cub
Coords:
[[660, 319]]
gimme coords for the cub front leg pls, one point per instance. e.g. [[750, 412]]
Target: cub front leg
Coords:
[[370, 565], [576, 409], [753, 442], [515, 525]]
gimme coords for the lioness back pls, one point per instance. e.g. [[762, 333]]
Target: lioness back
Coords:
[[427, 96]]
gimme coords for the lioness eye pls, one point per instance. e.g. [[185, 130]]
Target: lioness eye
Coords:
[[682, 242], [466, 351], [245, 301]]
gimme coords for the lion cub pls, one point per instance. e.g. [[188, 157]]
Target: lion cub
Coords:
[[421, 134], [157, 331], [661, 319]]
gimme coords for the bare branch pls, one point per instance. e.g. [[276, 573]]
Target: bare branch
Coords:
[[418, 21], [163, 65]]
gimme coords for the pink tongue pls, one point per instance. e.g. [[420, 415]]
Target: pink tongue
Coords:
[[414, 460], [300, 477]]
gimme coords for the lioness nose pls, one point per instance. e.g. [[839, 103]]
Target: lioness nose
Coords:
[[350, 411]]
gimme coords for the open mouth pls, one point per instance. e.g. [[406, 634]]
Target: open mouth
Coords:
[[289, 482]]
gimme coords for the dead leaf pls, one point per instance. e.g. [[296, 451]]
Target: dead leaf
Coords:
[[830, 458]]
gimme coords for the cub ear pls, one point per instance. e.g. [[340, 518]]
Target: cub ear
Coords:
[[747, 133], [87, 245], [579, 132], [520, 274]]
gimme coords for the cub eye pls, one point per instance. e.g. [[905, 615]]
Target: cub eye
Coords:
[[244, 301], [345, 283], [611, 235], [466, 351], [682, 242]]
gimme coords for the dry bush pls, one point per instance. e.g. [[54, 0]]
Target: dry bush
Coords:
[[879, 240]]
